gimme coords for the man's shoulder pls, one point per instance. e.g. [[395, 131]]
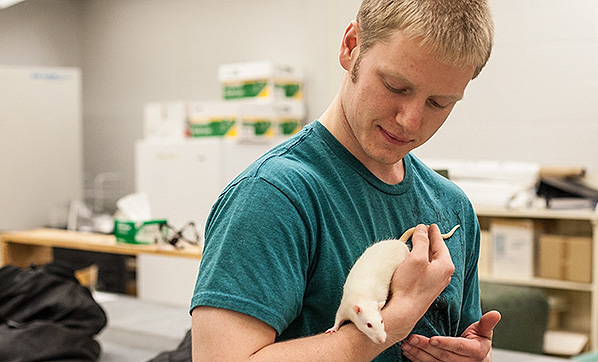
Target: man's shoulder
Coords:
[[435, 180]]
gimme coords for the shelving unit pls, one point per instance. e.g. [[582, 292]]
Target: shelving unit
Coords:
[[581, 314]]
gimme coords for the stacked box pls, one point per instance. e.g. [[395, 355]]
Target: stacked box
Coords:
[[578, 264], [485, 257], [256, 120], [551, 251], [250, 119], [165, 120], [291, 116], [260, 80], [513, 248], [260, 100], [267, 119], [212, 119], [269, 96], [565, 258]]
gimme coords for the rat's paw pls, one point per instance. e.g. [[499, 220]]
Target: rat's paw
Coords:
[[331, 330]]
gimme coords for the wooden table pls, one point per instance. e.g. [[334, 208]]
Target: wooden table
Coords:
[[22, 248]]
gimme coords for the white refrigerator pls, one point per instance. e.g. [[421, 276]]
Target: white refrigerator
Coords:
[[182, 179]]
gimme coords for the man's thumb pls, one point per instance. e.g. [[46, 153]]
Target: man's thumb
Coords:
[[487, 323]]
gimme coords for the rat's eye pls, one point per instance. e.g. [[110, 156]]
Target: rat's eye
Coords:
[[382, 322], [369, 325]]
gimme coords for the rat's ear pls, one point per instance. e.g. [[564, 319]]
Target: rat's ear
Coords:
[[380, 305], [357, 309]]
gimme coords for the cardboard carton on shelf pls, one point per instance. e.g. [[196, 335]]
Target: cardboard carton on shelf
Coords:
[[565, 258]]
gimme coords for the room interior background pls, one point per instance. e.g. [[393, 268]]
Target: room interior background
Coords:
[[535, 101]]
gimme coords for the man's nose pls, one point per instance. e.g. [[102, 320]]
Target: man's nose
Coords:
[[410, 115]]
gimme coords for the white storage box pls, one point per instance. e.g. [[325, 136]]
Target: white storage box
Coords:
[[291, 116], [213, 119], [166, 120], [260, 80], [513, 248]]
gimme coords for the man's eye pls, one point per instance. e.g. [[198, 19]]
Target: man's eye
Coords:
[[435, 104], [395, 90]]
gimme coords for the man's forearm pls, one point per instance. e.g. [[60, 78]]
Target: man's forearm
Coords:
[[220, 334], [346, 345]]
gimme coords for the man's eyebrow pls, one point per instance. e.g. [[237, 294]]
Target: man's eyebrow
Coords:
[[401, 79], [408, 84], [450, 97]]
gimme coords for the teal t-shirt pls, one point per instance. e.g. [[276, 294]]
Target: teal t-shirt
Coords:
[[282, 237]]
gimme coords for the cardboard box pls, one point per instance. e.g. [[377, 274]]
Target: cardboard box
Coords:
[[485, 259], [565, 258], [247, 119], [291, 116], [260, 80], [512, 248], [551, 256], [270, 118], [257, 120], [213, 119], [578, 262], [167, 120]]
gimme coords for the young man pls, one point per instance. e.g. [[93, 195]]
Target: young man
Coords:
[[282, 236]]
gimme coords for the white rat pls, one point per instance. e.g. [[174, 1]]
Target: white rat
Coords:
[[367, 286]]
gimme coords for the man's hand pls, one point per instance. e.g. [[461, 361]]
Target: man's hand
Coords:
[[475, 344], [417, 281]]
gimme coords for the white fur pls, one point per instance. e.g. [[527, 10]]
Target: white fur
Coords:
[[367, 286]]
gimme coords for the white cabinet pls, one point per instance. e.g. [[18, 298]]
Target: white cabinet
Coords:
[[41, 157], [580, 311]]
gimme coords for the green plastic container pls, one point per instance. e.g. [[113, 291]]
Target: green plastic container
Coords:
[[131, 232]]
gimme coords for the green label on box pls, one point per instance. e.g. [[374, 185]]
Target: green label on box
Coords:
[[288, 127], [260, 127], [258, 88], [215, 128], [290, 90]]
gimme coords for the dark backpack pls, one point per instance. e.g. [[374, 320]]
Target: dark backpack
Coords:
[[46, 315]]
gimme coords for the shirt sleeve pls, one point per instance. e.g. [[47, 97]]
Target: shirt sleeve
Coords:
[[255, 257]]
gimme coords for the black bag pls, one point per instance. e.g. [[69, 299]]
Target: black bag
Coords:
[[46, 315]]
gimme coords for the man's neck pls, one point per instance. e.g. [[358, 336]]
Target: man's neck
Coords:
[[335, 122]]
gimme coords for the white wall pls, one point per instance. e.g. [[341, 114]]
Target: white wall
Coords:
[[42, 32], [533, 102], [143, 51]]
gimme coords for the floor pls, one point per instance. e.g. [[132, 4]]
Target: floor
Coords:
[[139, 330]]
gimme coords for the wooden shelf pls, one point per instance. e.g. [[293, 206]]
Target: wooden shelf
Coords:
[[540, 282], [584, 214], [566, 222]]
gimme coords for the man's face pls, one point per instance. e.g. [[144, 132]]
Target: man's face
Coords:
[[398, 99]]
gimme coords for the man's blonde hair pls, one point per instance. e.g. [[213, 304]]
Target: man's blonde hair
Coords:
[[459, 32]]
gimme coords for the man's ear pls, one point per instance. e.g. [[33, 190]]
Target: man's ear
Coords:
[[349, 45]]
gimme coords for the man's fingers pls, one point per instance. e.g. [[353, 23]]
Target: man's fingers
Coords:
[[420, 240], [437, 244]]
